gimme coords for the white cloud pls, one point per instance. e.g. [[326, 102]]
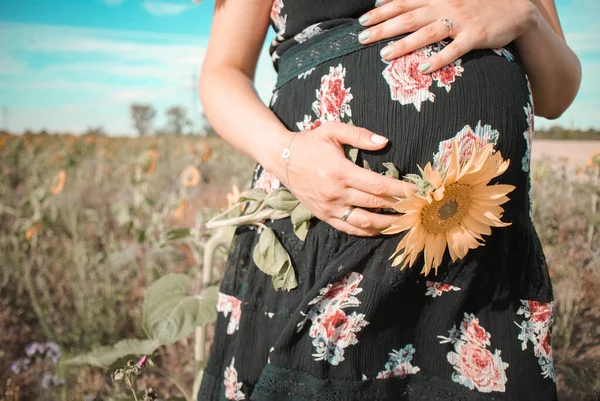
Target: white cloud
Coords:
[[161, 8], [101, 71]]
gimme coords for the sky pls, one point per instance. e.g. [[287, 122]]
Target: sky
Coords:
[[70, 65]]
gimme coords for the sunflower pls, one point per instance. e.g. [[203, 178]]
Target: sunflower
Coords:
[[190, 176], [59, 182], [454, 208]]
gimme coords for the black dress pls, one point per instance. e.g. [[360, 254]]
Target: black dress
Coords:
[[356, 327]]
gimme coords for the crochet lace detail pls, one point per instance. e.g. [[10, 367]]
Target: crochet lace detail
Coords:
[[335, 42]]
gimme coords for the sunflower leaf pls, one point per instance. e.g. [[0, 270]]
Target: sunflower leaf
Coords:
[[255, 194], [351, 152], [272, 258], [286, 278], [282, 199], [268, 255], [300, 218], [391, 170]]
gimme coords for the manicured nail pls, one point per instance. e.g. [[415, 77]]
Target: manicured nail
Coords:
[[386, 51], [424, 67], [378, 138], [364, 35], [363, 18]]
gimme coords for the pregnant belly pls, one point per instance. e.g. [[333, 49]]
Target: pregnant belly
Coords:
[[483, 97]]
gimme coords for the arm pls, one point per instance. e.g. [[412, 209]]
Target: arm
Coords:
[[553, 68], [227, 93], [236, 112]]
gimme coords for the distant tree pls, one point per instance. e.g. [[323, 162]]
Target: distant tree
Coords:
[[207, 127], [142, 116], [95, 131], [177, 119]]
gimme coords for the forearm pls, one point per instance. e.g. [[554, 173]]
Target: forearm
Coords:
[[553, 68], [235, 111]]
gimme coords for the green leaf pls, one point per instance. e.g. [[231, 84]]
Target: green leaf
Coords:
[[269, 255], [391, 170], [351, 152], [175, 234], [255, 194], [300, 218], [285, 279], [272, 258], [170, 312], [105, 356], [282, 199]]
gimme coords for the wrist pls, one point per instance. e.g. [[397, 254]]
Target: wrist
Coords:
[[268, 153], [531, 20]]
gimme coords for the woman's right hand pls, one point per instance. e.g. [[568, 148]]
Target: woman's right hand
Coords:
[[328, 183]]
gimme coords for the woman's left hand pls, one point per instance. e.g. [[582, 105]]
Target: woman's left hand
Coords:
[[475, 24]]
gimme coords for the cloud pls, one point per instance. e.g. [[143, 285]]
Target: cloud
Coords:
[[45, 70], [163, 8]]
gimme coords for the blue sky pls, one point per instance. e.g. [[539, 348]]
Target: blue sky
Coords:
[[66, 65]]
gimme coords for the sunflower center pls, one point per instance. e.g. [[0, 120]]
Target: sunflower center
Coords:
[[448, 209], [440, 216]]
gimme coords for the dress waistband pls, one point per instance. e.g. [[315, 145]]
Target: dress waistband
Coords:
[[334, 42]]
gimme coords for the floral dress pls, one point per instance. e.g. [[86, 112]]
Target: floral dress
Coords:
[[356, 327]]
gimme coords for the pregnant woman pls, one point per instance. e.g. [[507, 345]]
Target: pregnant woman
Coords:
[[447, 298]]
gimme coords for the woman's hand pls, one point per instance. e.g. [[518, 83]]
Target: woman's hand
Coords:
[[327, 183], [476, 24]]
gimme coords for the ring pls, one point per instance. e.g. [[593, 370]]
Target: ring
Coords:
[[345, 216], [448, 22]]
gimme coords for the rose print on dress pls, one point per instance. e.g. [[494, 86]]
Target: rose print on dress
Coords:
[[408, 85], [332, 97], [229, 304], [537, 330], [332, 101], [528, 134], [399, 364], [232, 386], [267, 181], [501, 51], [435, 289], [332, 329], [468, 140], [474, 365], [309, 32], [278, 20]]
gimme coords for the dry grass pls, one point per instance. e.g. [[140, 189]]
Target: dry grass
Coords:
[[76, 253]]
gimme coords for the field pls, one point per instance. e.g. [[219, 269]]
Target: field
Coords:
[[88, 222]]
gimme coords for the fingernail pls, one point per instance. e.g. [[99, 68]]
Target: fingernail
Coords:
[[424, 67], [386, 51], [363, 18], [364, 35], [378, 139]]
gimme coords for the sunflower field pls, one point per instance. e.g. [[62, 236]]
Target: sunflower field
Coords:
[[99, 235]]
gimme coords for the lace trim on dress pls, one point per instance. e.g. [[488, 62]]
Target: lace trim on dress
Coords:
[[284, 384], [335, 42]]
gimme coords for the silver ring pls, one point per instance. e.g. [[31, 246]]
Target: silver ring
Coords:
[[345, 216], [448, 22]]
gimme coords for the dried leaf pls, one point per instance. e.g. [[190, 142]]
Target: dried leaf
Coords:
[[301, 221], [255, 194], [391, 170], [351, 152], [272, 258], [282, 199], [286, 279]]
